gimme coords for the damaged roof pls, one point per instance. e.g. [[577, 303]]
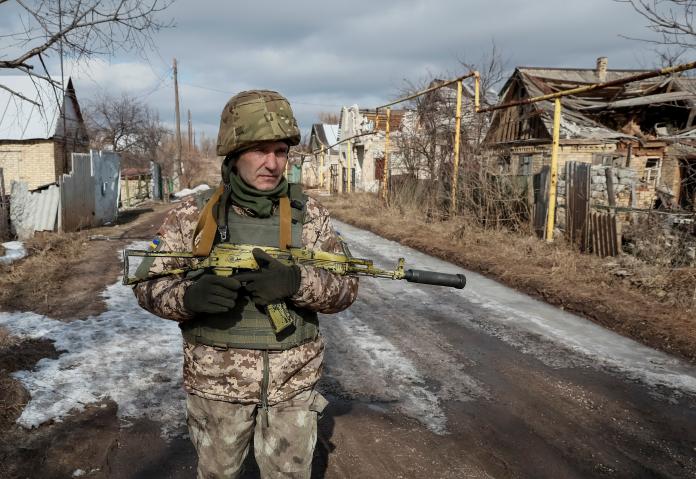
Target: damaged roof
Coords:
[[582, 114]]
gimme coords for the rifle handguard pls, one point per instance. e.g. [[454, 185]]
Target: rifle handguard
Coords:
[[437, 279]]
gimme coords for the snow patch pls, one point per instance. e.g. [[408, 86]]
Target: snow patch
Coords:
[[188, 192], [14, 250], [526, 323], [126, 354]]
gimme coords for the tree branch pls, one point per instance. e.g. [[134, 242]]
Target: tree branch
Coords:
[[17, 94], [83, 33]]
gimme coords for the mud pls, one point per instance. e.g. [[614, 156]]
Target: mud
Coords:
[[73, 269]]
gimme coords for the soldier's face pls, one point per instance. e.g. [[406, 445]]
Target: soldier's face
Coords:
[[263, 166]]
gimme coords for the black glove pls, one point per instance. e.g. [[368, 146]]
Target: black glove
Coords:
[[273, 280], [211, 294]]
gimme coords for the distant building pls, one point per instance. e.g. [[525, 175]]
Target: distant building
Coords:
[[37, 139], [323, 137]]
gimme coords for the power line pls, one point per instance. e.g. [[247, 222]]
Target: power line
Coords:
[[228, 92]]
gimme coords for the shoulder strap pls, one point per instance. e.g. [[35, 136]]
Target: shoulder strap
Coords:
[[204, 234], [295, 191], [285, 223]]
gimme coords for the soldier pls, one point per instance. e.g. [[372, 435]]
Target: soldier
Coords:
[[243, 381]]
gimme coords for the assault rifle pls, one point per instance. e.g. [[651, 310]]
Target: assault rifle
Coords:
[[227, 259]]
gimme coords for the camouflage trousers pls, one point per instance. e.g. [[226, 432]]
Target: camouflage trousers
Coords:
[[222, 431]]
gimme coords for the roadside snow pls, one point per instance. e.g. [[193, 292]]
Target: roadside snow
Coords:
[[530, 325], [14, 250], [187, 192], [125, 354]]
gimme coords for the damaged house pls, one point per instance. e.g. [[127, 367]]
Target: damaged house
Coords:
[[361, 152], [646, 130], [367, 151]]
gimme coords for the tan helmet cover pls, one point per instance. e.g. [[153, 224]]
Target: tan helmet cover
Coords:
[[253, 116]]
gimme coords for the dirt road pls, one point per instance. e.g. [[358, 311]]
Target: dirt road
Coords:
[[423, 382]]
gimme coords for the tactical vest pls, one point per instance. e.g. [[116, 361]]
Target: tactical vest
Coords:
[[246, 325]]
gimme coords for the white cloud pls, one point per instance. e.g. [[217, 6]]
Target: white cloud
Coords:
[[362, 52], [134, 77]]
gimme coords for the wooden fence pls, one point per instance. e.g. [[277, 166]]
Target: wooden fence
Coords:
[[603, 234], [595, 232], [577, 203]]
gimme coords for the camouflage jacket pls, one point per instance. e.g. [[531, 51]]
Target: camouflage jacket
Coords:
[[236, 374]]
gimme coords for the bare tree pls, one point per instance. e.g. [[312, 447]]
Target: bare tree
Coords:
[[79, 28], [127, 126], [671, 20], [328, 117]]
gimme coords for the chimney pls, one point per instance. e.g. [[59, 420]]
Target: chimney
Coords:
[[602, 69]]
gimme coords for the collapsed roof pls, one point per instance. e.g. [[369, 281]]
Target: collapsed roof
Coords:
[[661, 107]]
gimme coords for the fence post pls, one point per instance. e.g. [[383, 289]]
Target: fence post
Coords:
[[551, 215], [350, 175], [321, 169], [457, 133], [385, 180]]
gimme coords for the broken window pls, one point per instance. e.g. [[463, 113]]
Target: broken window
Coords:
[[651, 174]]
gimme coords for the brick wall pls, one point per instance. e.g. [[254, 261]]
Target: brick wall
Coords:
[[32, 162]]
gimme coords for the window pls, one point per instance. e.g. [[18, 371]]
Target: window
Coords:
[[526, 165], [651, 174]]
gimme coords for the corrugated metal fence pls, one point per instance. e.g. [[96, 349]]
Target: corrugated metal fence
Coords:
[[33, 211], [88, 196]]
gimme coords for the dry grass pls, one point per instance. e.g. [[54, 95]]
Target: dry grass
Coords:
[[650, 303], [7, 340], [13, 397], [36, 278]]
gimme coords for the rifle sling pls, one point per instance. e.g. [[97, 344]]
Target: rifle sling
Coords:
[[285, 223], [204, 234]]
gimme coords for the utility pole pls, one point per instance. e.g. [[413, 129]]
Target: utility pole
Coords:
[[178, 167]]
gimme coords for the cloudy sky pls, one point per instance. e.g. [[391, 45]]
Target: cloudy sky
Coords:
[[324, 54]]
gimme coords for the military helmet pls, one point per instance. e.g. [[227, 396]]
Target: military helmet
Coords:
[[253, 116]]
